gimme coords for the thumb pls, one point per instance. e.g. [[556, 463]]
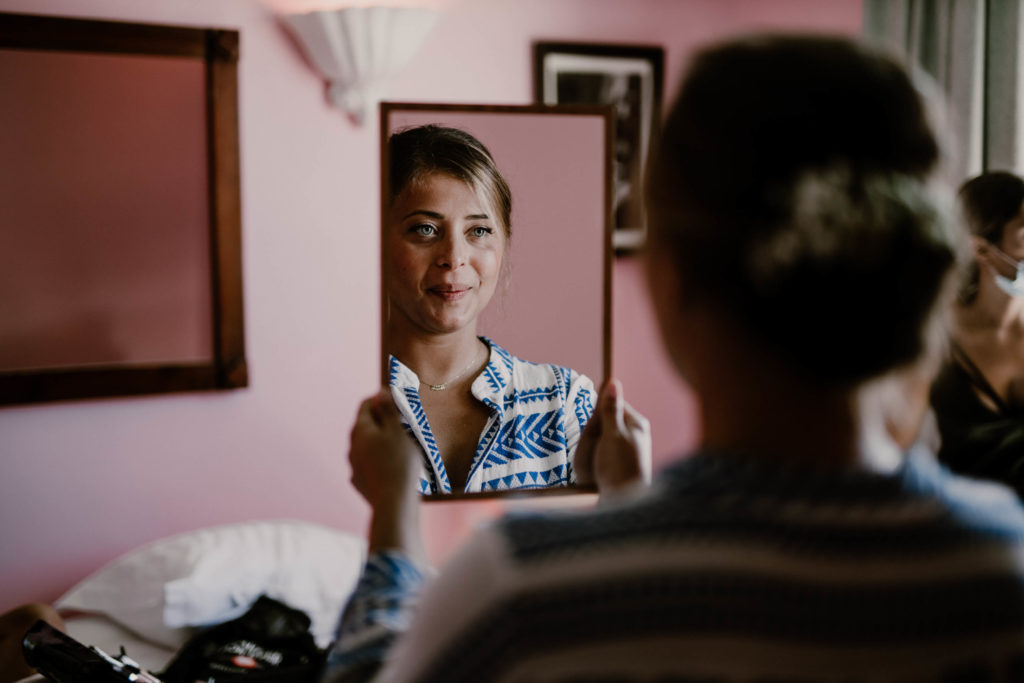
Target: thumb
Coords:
[[384, 408], [611, 408]]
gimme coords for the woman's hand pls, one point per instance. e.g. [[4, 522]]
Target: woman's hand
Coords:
[[385, 467], [614, 451], [385, 460]]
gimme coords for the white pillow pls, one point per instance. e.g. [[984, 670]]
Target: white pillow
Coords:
[[207, 576]]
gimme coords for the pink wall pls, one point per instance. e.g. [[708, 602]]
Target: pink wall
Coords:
[[83, 481]]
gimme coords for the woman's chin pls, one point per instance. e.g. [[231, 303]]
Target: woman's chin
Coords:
[[449, 325]]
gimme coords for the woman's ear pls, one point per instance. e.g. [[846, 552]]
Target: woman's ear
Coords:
[[980, 247]]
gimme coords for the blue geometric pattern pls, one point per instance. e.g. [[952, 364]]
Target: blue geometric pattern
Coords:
[[556, 476], [537, 413]]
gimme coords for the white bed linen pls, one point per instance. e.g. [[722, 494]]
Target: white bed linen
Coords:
[[154, 598], [164, 590]]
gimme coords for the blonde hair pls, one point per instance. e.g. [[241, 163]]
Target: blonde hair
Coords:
[[416, 152]]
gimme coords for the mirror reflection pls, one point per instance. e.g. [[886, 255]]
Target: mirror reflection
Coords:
[[495, 261]]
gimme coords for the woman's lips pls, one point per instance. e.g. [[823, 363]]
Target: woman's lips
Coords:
[[449, 293]]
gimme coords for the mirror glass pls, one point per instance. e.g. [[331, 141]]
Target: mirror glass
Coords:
[[545, 330]]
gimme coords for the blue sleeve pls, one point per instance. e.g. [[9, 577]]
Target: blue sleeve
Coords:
[[379, 611]]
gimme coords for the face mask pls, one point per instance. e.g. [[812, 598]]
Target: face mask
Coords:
[[1014, 287]]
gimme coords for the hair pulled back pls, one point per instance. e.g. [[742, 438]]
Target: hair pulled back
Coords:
[[792, 187], [416, 152]]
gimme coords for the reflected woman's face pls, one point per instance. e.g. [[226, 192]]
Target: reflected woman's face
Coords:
[[446, 250]]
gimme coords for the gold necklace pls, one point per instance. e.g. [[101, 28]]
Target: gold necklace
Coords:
[[444, 385]]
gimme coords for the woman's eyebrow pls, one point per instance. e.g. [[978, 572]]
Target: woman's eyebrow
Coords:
[[423, 212], [440, 216]]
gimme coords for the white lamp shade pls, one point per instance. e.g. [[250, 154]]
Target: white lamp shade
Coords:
[[358, 48]]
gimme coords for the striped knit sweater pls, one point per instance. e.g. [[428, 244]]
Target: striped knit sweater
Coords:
[[728, 569]]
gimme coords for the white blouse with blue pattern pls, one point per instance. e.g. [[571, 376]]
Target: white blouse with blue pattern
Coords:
[[538, 412]]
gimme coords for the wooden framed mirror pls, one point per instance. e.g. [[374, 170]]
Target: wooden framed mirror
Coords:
[[120, 270], [550, 310]]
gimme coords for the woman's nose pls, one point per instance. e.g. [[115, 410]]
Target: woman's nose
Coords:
[[452, 254]]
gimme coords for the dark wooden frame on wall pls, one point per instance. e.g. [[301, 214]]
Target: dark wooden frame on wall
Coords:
[[625, 239], [218, 48]]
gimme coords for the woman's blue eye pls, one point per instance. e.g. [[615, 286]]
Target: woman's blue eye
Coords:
[[481, 231], [425, 229]]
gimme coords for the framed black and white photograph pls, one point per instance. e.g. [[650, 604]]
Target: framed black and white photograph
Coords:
[[630, 79]]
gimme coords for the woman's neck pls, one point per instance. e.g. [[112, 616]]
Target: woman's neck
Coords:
[[992, 309], [752, 402], [437, 358], [793, 424]]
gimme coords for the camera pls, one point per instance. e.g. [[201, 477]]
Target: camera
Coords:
[[61, 658]]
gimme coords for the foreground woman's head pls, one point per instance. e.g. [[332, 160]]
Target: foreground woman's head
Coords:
[[792, 190]]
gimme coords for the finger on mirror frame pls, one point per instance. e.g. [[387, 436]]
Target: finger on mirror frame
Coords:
[[612, 406], [381, 403], [387, 411], [635, 419], [364, 415]]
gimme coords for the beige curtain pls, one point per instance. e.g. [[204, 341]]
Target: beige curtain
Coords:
[[973, 51]]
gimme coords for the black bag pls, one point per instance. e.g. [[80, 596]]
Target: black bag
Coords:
[[270, 642]]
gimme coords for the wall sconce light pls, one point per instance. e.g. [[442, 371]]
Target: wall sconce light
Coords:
[[356, 49]]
